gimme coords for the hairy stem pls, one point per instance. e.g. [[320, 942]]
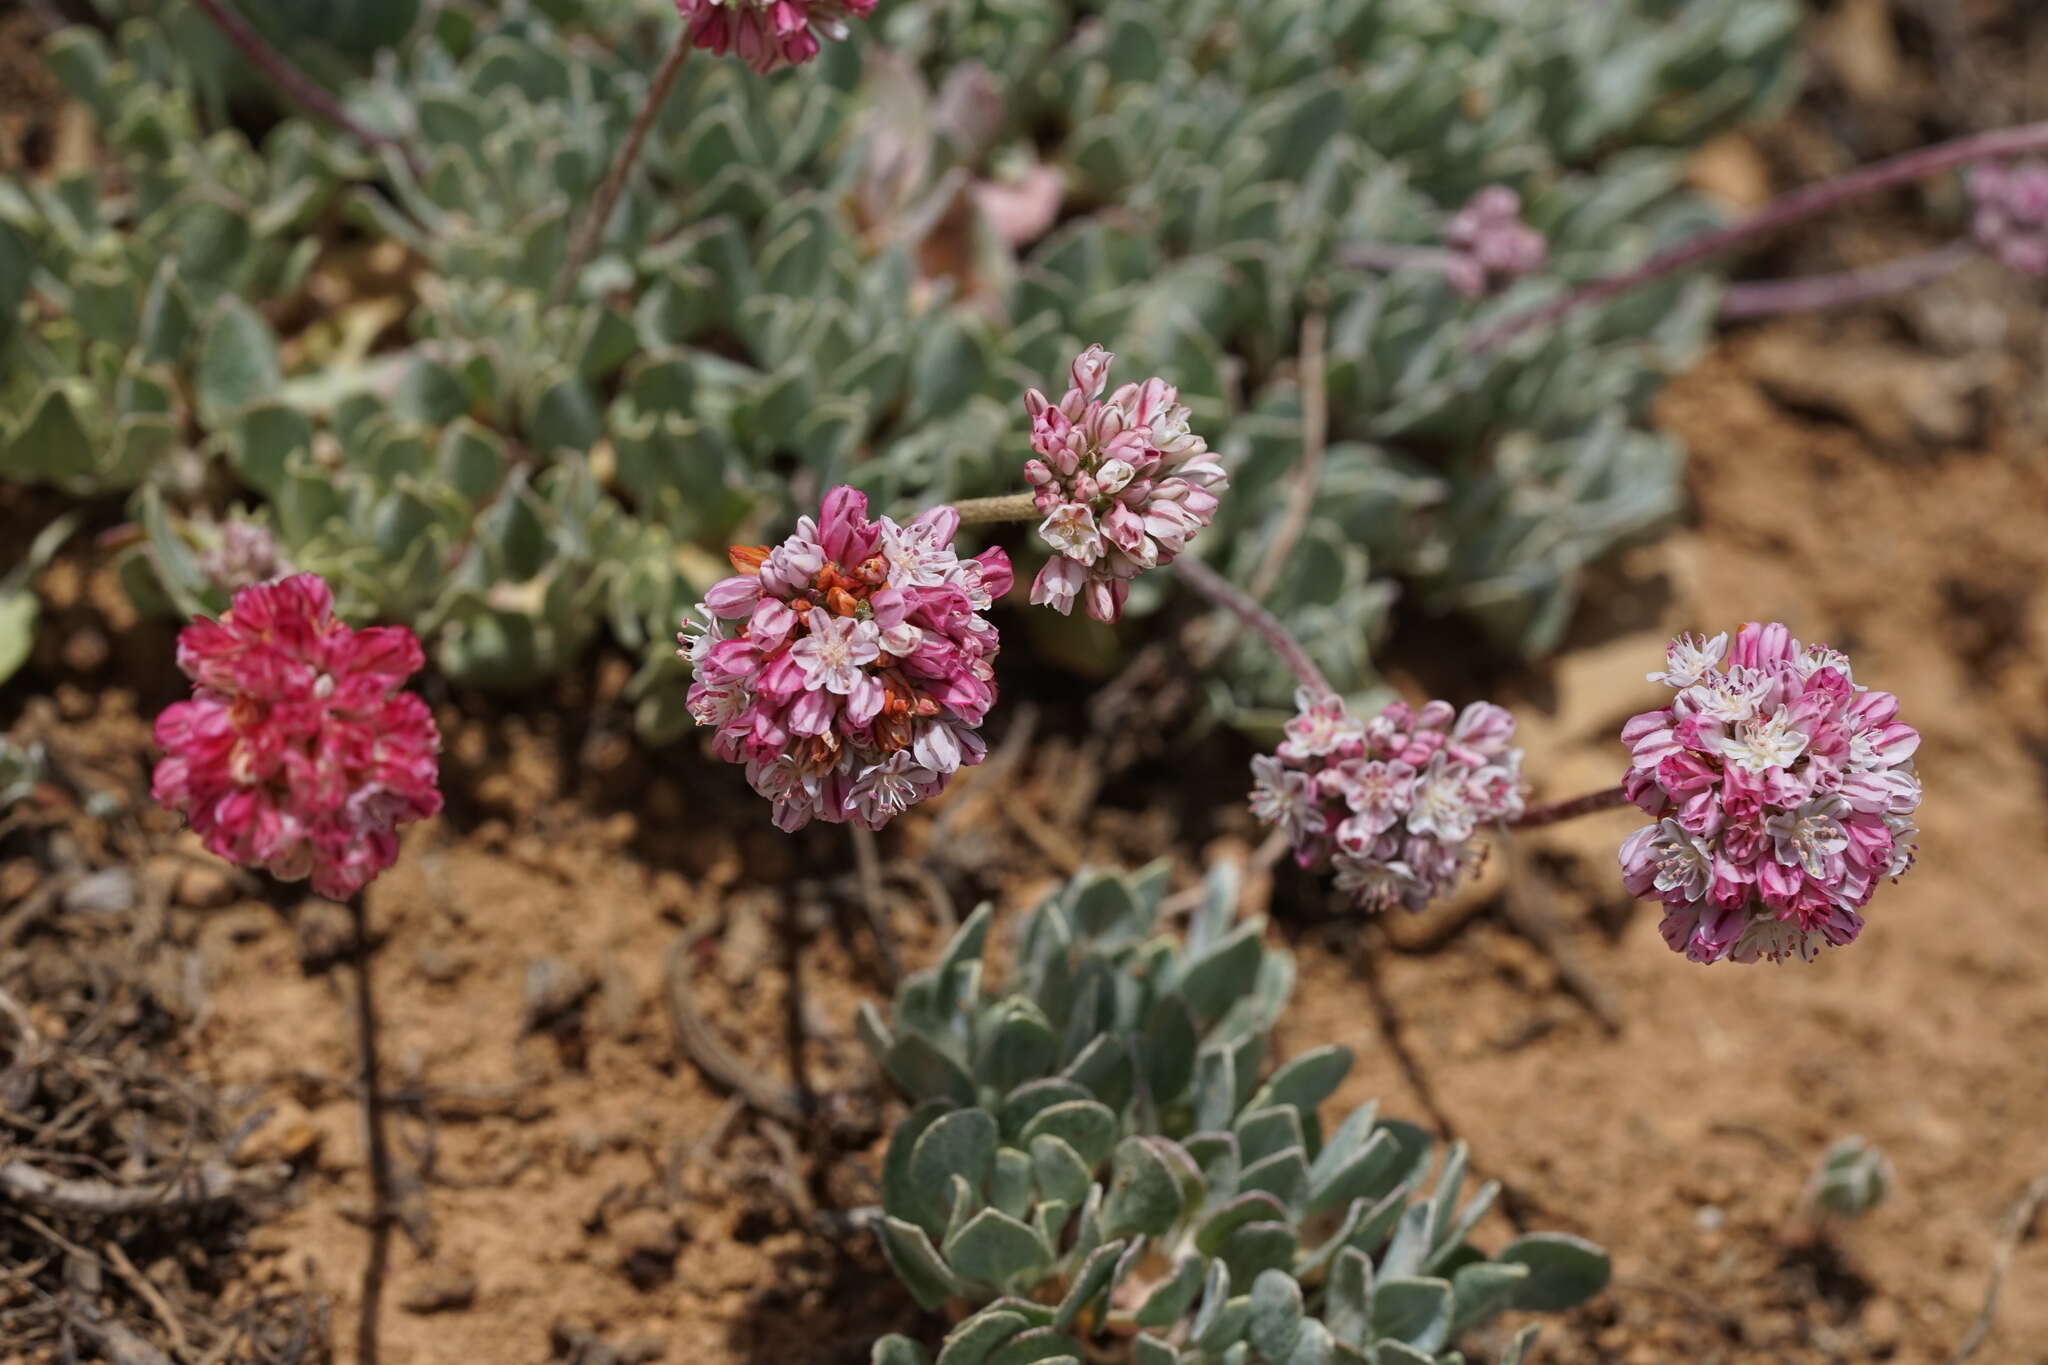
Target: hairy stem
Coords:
[[1559, 811], [381, 1196], [1817, 293], [1387, 257], [1263, 623], [587, 236], [296, 84], [1009, 507], [1780, 213]]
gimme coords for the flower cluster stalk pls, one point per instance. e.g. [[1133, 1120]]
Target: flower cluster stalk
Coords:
[[592, 230], [1779, 214], [1261, 622], [1820, 293], [296, 84]]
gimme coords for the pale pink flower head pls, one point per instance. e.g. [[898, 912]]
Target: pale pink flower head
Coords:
[[241, 554], [1780, 792], [769, 34], [1121, 481], [300, 751], [849, 668], [1392, 805], [1489, 243], [2010, 213]]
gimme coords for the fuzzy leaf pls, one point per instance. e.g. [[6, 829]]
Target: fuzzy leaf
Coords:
[[1308, 1080], [895, 1350], [1259, 1246], [238, 363], [1144, 1193], [1414, 1311], [1092, 1280], [961, 1143], [1087, 1126], [1150, 1350], [1482, 1289], [1039, 1346], [1276, 1313], [1216, 1230], [1170, 1300], [1347, 1300], [1027, 1101], [1225, 974], [971, 1342], [916, 1262], [1565, 1271], [995, 1249]]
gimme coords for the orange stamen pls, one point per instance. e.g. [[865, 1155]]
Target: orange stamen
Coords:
[[747, 559]]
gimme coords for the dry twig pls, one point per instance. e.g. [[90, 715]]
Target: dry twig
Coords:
[[208, 1183], [1522, 905], [2012, 1230], [695, 1040]]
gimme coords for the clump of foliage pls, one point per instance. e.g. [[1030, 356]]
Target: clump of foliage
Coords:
[[1100, 1151], [847, 274]]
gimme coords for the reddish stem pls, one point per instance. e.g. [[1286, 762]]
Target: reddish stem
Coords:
[[1818, 293], [382, 1197], [1217, 589], [296, 84], [1559, 811], [588, 236], [1780, 213]]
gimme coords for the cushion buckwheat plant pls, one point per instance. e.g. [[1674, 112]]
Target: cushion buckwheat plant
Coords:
[[1391, 803], [299, 752], [849, 668], [1123, 484], [1781, 791], [1103, 1160], [769, 34]]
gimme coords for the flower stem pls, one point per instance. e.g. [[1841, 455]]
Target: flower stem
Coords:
[[1388, 257], [381, 1198], [1217, 589], [1780, 213], [1009, 507], [1817, 293], [614, 184], [1556, 812], [296, 84]]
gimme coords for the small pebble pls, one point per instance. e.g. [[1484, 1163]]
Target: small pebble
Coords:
[[109, 891], [440, 1289], [200, 887]]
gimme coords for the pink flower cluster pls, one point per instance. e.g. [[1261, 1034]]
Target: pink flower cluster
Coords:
[[767, 34], [849, 667], [299, 751], [1392, 803], [2011, 221], [1122, 483], [1490, 244], [243, 553], [1781, 791]]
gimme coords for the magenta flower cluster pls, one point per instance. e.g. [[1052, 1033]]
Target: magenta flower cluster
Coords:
[[1391, 803], [2011, 213], [768, 34], [1490, 244], [1122, 482], [1781, 792], [849, 668], [299, 752]]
